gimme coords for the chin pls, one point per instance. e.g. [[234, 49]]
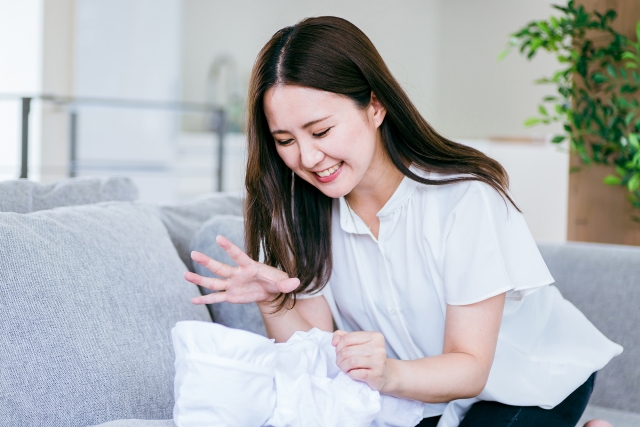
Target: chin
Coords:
[[334, 192]]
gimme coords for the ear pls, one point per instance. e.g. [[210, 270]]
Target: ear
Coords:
[[377, 110]]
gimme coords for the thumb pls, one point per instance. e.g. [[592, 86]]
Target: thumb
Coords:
[[288, 285], [337, 336]]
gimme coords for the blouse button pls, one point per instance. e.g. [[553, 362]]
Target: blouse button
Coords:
[[393, 311]]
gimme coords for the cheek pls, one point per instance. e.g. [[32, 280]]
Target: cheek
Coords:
[[289, 155]]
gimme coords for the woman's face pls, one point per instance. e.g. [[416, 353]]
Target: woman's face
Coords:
[[324, 137]]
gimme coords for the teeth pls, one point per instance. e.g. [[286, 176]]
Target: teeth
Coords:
[[329, 171]]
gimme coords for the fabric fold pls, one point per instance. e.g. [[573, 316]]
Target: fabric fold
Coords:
[[230, 377]]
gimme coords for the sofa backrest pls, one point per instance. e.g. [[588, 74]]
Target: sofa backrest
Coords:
[[24, 196], [88, 297], [603, 281], [184, 219]]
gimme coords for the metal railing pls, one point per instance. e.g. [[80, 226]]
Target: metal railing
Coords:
[[73, 103]]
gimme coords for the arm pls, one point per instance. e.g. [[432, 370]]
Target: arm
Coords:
[[471, 336], [307, 314], [252, 281]]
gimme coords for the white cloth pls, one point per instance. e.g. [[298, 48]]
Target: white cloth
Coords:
[[229, 377], [458, 244], [224, 377]]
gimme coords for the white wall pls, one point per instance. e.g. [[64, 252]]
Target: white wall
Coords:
[[131, 50], [539, 183], [403, 31], [21, 36], [443, 52], [477, 96], [36, 56], [57, 78]]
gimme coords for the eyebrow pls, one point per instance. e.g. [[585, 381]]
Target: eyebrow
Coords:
[[306, 125]]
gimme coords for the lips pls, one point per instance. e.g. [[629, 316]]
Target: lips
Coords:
[[330, 174], [329, 171]]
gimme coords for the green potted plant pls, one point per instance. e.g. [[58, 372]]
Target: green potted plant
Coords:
[[597, 89]]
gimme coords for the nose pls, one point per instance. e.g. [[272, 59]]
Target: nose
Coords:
[[309, 154]]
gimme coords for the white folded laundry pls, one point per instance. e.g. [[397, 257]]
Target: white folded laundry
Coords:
[[229, 377]]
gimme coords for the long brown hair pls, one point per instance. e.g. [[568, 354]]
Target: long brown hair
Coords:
[[288, 219]]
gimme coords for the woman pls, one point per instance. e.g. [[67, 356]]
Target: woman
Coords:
[[366, 218]]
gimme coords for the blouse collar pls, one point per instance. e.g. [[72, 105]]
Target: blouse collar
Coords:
[[352, 223]]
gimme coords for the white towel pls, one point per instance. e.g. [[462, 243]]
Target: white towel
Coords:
[[229, 377]]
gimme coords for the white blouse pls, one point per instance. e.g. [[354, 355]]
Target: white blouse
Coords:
[[458, 244]]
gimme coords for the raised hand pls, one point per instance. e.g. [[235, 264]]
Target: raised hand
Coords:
[[250, 281]]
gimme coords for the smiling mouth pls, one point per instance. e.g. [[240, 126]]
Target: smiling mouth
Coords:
[[327, 172]]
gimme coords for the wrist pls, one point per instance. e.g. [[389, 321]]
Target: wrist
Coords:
[[267, 306], [392, 383]]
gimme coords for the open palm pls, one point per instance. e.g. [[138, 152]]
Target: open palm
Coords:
[[250, 281]]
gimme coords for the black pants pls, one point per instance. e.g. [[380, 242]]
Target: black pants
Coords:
[[494, 414]]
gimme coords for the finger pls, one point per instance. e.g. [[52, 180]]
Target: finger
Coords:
[[354, 363], [236, 254], [212, 283], [216, 267], [359, 374], [354, 338], [337, 335], [210, 299], [288, 285], [359, 354]]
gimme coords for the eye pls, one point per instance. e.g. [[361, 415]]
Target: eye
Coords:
[[287, 142], [321, 134]]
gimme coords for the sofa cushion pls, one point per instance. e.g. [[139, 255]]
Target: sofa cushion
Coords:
[[88, 297], [603, 281], [183, 219], [138, 423], [239, 316], [24, 196], [616, 417]]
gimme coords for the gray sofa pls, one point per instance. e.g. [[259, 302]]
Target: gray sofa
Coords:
[[91, 284]]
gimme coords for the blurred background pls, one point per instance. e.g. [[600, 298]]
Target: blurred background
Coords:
[[149, 88]]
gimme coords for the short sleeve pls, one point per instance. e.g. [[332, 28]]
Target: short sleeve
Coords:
[[307, 296], [489, 249]]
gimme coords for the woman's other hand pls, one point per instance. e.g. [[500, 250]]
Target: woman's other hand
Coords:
[[363, 356], [250, 281]]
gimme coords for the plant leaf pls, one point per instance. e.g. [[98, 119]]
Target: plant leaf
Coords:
[[575, 169], [634, 182], [629, 117], [503, 54], [623, 73], [612, 180], [558, 139], [599, 77], [532, 121]]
